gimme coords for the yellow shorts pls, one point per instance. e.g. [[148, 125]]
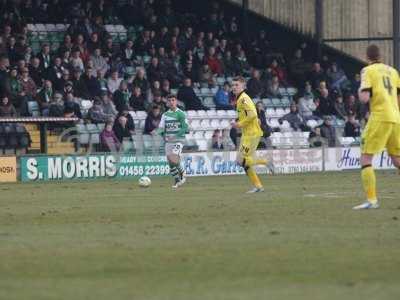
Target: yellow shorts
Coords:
[[248, 147], [379, 135]]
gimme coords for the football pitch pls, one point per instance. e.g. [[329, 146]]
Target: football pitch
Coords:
[[113, 240]]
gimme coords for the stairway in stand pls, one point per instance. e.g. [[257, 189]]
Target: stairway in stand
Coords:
[[54, 143]]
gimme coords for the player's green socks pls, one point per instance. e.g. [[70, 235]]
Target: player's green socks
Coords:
[[369, 182], [174, 171]]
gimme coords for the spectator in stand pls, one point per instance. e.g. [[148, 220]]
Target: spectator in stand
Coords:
[[295, 120], [242, 64], [307, 105], [213, 62], [267, 130], [298, 67], [159, 101], [216, 140], [328, 131], [14, 86], [27, 84], [137, 100], [114, 81], [55, 72], [187, 95], [355, 84], [255, 87], [337, 79], [273, 88], [128, 53], [96, 113], [60, 83], [206, 77], [141, 81], [316, 139], [36, 72], [352, 127], [79, 85], [154, 71], [7, 110], [317, 75], [340, 110], [229, 64], [108, 106], [56, 107], [121, 96], [93, 43], [153, 119], [109, 141], [324, 106], [45, 96], [352, 105], [91, 82], [71, 106], [76, 61], [222, 98], [44, 57], [121, 129], [99, 62], [277, 70]]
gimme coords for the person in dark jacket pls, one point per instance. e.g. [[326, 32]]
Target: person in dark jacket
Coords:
[[71, 106], [121, 129], [137, 100], [352, 127], [92, 84], [121, 96], [152, 120], [294, 118], [187, 95]]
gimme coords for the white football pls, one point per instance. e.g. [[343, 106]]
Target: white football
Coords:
[[144, 181]]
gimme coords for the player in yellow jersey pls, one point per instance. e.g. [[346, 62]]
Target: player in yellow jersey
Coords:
[[380, 85], [251, 134]]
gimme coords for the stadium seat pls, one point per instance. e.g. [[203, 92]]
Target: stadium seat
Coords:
[[215, 124], [141, 114], [198, 135], [33, 108], [83, 134], [276, 102], [202, 144], [191, 114], [205, 124], [291, 91], [212, 113], [270, 112], [346, 141], [202, 113], [195, 124], [273, 122], [208, 134], [279, 112]]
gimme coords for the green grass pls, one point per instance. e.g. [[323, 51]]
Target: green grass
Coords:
[[112, 240]]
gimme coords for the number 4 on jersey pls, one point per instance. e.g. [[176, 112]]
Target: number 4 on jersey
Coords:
[[387, 84]]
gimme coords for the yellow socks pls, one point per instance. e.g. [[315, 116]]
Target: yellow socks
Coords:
[[254, 177], [258, 161], [369, 182]]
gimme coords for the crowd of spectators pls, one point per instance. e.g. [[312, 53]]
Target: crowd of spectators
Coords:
[[185, 50]]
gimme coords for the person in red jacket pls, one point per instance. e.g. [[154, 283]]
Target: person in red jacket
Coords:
[[213, 62]]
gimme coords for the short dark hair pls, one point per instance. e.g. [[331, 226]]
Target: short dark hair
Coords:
[[373, 53], [170, 96], [240, 79]]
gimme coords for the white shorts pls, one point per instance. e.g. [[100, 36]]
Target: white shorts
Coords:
[[173, 148]]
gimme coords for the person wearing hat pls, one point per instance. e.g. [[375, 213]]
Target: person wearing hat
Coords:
[[328, 131]]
